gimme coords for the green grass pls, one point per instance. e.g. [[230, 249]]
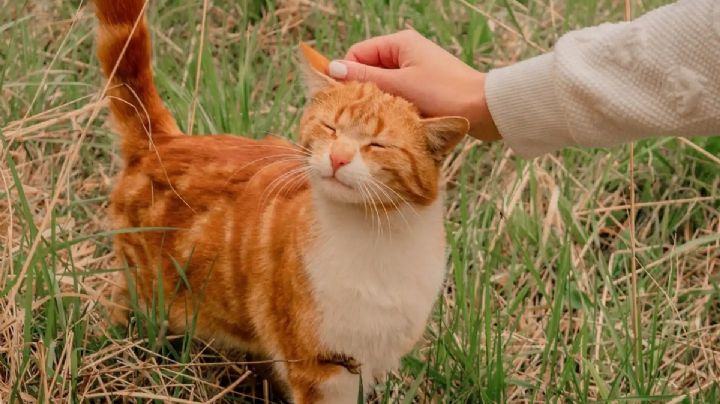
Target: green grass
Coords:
[[538, 300]]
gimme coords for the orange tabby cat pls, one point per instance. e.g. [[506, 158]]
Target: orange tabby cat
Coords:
[[326, 256]]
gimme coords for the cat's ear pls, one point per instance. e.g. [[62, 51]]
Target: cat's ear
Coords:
[[444, 133], [314, 69]]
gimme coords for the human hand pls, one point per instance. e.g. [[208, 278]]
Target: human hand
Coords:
[[411, 66]]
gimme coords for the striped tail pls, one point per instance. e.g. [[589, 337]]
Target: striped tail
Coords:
[[123, 46]]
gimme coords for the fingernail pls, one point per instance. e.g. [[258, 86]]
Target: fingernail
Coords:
[[337, 70]]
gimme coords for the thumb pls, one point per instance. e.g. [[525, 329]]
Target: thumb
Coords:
[[352, 71]]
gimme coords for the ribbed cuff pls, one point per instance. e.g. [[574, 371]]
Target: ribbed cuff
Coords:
[[524, 105]]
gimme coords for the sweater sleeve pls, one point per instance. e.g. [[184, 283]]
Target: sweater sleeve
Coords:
[[601, 86]]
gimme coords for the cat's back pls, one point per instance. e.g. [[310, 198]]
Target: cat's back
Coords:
[[195, 174]]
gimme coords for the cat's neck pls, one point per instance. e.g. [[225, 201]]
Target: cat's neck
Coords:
[[375, 223], [374, 288]]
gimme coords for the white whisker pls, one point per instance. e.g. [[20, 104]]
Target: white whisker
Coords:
[[300, 149], [290, 180], [376, 184], [399, 196], [364, 197], [286, 158], [280, 181], [382, 205], [377, 214]]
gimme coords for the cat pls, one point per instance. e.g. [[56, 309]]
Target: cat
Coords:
[[326, 256]]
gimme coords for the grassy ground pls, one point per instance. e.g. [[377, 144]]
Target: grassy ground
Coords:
[[540, 303]]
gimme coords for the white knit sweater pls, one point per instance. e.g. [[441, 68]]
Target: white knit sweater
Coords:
[[657, 75]]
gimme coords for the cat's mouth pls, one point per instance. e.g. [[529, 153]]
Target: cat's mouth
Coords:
[[335, 181], [339, 188]]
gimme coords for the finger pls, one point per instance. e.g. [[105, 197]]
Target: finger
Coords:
[[354, 71], [380, 51]]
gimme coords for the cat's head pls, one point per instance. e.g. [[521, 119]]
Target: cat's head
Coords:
[[370, 146]]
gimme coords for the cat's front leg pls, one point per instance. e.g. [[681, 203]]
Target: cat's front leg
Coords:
[[341, 388], [323, 384], [119, 305]]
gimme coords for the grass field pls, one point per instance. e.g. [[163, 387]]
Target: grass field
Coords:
[[541, 304]]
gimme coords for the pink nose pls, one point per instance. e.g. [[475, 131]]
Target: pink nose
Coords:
[[337, 160]]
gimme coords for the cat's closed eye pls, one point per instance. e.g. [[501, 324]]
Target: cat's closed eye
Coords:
[[377, 145], [329, 128]]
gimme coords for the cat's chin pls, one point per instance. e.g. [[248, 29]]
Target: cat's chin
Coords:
[[332, 189]]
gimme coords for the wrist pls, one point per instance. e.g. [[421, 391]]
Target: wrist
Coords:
[[525, 104], [482, 125]]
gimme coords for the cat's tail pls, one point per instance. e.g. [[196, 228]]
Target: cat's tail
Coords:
[[125, 53]]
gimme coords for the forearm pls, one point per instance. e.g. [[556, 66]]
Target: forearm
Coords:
[[606, 85]]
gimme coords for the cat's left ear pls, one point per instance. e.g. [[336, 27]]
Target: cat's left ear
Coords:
[[444, 133], [314, 69]]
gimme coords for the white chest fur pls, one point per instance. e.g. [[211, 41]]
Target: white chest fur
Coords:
[[375, 291]]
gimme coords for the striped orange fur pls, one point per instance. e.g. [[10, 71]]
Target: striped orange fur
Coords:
[[332, 248]]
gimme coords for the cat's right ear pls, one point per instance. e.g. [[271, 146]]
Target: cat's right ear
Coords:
[[443, 134], [313, 67]]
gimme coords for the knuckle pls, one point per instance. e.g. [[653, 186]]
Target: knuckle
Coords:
[[362, 73]]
